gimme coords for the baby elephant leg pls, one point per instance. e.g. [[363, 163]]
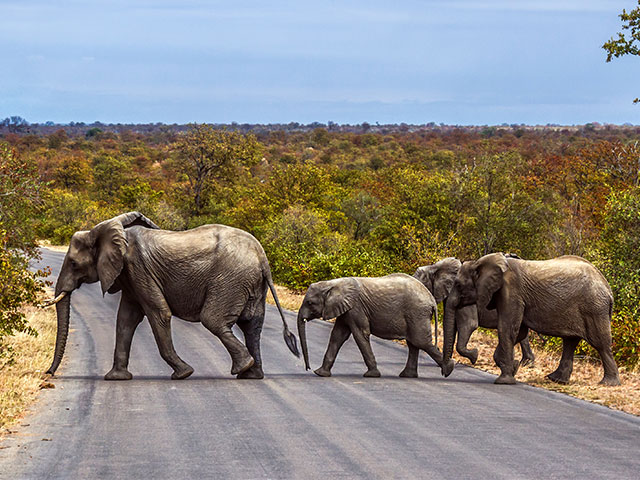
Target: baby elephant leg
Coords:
[[339, 334], [364, 345]]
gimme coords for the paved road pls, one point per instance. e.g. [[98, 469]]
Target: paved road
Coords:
[[293, 424]]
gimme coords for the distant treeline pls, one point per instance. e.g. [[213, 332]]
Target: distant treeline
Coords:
[[17, 124], [335, 200]]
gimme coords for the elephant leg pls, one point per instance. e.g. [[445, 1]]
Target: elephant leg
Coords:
[[509, 327], [419, 334], [527, 353], [563, 372], [464, 333], [364, 345], [129, 317], [411, 368], [160, 322], [339, 334], [240, 356], [252, 330], [602, 343]]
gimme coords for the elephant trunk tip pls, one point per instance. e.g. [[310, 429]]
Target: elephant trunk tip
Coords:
[[447, 367]]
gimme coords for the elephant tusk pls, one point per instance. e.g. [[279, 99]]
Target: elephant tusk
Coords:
[[53, 301]]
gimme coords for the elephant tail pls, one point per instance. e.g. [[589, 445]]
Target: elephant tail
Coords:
[[289, 338]]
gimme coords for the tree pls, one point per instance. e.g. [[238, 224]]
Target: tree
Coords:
[[626, 44], [109, 174], [619, 261], [19, 196], [206, 154]]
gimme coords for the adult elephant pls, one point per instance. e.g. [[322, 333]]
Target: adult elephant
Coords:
[[439, 278], [212, 274], [565, 297], [395, 306]]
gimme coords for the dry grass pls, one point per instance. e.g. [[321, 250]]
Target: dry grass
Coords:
[[21, 380], [288, 298], [584, 380], [55, 248]]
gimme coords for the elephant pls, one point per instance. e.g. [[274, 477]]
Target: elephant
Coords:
[[439, 278], [214, 274], [395, 306], [564, 297]]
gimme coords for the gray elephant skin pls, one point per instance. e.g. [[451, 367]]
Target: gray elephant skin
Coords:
[[565, 297], [395, 306], [212, 274], [439, 278]]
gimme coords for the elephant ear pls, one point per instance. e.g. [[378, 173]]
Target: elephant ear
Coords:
[[340, 298], [445, 275], [490, 271], [110, 243], [134, 218], [424, 274]]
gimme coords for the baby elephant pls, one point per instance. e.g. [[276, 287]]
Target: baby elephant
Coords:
[[396, 306]]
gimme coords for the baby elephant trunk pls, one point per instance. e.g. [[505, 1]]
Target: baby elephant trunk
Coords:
[[302, 333]]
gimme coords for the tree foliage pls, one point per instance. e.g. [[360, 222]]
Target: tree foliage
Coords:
[[329, 202], [19, 198], [206, 154], [628, 41]]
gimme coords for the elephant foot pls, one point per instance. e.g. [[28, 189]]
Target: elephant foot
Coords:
[[253, 373], [321, 372], [114, 374], [558, 378], [182, 374], [409, 373], [239, 367], [472, 355], [505, 380], [372, 373], [610, 381], [447, 368]]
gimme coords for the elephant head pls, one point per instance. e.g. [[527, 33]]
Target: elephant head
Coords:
[[94, 255], [327, 300], [477, 283], [439, 277]]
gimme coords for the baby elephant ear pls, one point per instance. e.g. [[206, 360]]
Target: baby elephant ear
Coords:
[[340, 298]]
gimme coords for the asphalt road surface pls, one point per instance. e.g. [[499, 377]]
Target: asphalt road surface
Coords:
[[293, 424]]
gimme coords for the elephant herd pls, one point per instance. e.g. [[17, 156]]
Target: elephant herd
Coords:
[[219, 276]]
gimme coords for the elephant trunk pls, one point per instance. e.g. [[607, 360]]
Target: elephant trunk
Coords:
[[64, 286], [449, 327], [62, 310], [302, 333]]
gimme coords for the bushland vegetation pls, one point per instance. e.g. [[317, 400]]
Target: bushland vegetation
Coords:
[[328, 201]]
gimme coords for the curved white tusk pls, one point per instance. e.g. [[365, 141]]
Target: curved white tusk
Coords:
[[53, 301]]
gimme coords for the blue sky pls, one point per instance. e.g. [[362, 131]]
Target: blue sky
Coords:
[[455, 62]]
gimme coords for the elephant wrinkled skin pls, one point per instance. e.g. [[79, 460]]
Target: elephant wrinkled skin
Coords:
[[439, 278], [212, 274], [395, 306], [564, 297]]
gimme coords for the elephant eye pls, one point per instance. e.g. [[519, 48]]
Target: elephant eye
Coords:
[[74, 264]]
